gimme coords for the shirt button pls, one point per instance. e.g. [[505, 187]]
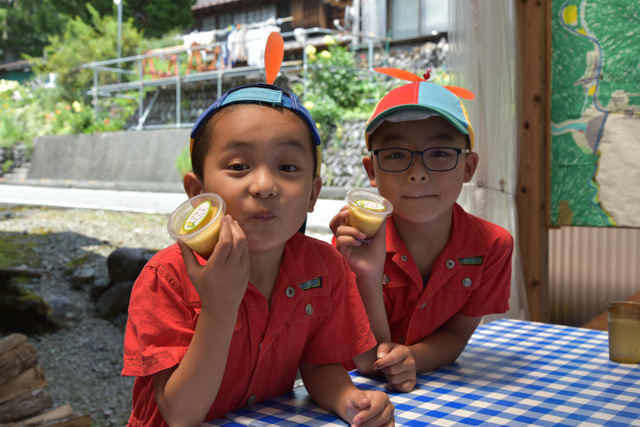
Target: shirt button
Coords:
[[466, 282], [401, 340], [403, 257], [450, 264], [385, 279], [290, 292], [308, 309], [424, 304], [251, 399]]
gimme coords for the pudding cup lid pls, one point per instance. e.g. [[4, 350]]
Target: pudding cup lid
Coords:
[[372, 202], [182, 213]]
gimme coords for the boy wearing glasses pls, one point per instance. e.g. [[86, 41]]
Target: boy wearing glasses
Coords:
[[428, 277]]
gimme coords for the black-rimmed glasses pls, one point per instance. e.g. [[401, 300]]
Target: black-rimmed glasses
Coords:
[[437, 159]]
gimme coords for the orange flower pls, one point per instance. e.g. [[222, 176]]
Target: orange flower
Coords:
[[106, 121]]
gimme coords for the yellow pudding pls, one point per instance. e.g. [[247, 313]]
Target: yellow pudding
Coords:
[[367, 210], [199, 226], [367, 222]]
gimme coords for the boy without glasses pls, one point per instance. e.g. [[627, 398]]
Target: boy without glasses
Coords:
[[428, 277], [205, 337]]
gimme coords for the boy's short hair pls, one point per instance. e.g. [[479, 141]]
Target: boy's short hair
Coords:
[[261, 94], [412, 101]]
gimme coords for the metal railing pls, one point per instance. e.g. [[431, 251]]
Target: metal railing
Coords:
[[302, 37]]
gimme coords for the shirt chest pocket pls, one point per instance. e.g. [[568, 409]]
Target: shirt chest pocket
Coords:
[[466, 279], [310, 308]]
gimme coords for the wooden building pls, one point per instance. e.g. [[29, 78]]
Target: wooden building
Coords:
[[219, 14]]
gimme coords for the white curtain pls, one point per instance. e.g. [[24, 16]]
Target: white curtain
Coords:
[[483, 58]]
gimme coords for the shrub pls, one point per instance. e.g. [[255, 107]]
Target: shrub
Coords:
[[337, 89]]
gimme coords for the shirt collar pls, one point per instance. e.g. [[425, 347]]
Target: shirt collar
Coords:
[[302, 261], [465, 237]]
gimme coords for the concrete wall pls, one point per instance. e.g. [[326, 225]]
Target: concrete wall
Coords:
[[145, 156]]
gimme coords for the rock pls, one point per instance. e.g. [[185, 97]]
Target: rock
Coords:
[[62, 311], [125, 264], [115, 299], [22, 311], [83, 277], [99, 287]]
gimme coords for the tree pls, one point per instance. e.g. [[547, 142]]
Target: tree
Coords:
[[24, 26], [159, 17], [27, 25], [82, 43]]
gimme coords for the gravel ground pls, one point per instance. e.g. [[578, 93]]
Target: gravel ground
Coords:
[[83, 361]]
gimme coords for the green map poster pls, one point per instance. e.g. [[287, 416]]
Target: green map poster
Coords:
[[595, 113]]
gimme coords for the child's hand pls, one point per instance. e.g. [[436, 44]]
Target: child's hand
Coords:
[[398, 365], [363, 257], [370, 408], [222, 281]]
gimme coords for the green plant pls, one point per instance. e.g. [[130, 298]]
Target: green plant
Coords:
[[183, 162], [27, 112], [7, 165], [337, 89]]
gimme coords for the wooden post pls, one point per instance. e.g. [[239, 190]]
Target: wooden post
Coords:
[[532, 195]]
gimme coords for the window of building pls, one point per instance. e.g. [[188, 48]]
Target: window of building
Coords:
[[208, 23], [248, 16], [418, 18]]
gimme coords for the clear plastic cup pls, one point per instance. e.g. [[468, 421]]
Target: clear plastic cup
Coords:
[[624, 331], [367, 210], [196, 222]]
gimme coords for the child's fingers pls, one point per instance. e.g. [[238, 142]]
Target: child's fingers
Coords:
[[225, 241], [338, 219], [378, 412], [240, 251], [403, 382], [393, 357], [359, 401], [348, 231], [345, 242], [383, 349], [190, 260]]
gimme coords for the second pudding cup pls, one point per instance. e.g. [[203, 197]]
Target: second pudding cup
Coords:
[[367, 210]]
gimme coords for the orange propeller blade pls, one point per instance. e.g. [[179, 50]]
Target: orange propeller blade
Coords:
[[461, 92], [399, 74], [273, 56]]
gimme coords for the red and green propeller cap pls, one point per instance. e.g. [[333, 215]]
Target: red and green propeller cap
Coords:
[[421, 94]]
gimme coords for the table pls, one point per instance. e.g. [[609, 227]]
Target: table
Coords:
[[512, 373]]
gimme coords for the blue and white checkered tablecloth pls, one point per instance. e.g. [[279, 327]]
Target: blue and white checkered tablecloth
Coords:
[[512, 373]]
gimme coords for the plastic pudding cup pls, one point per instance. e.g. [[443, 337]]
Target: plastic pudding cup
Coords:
[[196, 222], [367, 210], [624, 331]]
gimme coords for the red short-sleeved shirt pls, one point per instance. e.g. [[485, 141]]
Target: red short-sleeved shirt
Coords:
[[315, 315], [471, 276]]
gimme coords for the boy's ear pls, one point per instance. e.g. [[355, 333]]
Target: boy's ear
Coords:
[[367, 162], [316, 186], [192, 184], [470, 166]]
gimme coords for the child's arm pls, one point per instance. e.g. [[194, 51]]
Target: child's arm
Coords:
[[186, 392], [330, 386], [366, 260], [400, 363]]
